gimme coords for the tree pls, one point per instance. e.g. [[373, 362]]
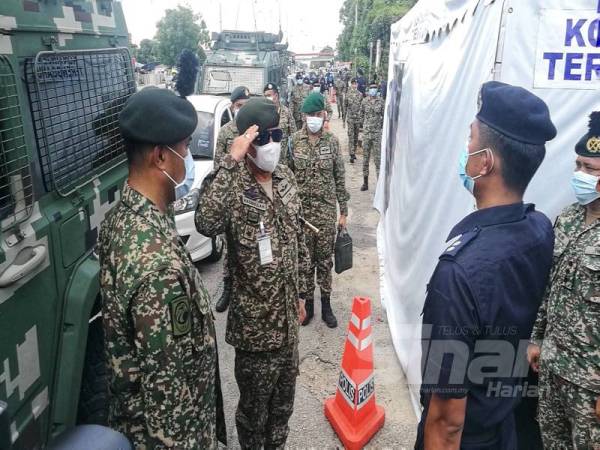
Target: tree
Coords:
[[373, 22], [146, 53], [179, 29]]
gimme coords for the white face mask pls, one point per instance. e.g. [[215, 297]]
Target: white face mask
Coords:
[[267, 156], [317, 90], [314, 124]]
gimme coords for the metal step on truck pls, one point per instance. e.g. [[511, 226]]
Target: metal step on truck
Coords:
[[65, 73]]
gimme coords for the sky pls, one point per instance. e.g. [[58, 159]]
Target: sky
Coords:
[[308, 25]]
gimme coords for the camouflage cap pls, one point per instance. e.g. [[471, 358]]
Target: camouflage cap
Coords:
[[173, 118]]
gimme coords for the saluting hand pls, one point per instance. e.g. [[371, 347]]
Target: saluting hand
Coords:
[[533, 358], [241, 144]]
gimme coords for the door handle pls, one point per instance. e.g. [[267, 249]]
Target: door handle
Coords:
[[26, 261]]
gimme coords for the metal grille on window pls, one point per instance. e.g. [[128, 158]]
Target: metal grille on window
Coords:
[[16, 194], [76, 98]]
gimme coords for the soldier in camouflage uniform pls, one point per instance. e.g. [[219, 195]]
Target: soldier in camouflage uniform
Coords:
[[286, 122], [227, 133], [319, 170], [299, 93], [160, 337], [566, 336], [340, 90], [317, 87], [255, 202], [352, 106], [372, 115]]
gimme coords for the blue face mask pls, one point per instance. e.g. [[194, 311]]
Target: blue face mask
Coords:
[[373, 92], [184, 187], [467, 181], [584, 186]]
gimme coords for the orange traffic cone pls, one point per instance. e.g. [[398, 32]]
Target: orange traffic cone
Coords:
[[353, 413]]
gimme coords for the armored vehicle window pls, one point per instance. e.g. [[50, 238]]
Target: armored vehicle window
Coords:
[[76, 98], [16, 195]]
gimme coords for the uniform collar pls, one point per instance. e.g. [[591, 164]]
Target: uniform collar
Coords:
[[143, 207], [495, 215]]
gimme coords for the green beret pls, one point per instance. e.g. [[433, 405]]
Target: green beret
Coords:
[[257, 111], [589, 144], [240, 93], [157, 116], [314, 102]]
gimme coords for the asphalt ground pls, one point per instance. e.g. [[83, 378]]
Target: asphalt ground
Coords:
[[321, 348]]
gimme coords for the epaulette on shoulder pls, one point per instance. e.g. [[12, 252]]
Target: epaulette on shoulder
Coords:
[[458, 243]]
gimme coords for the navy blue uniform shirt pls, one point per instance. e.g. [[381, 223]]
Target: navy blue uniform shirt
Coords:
[[481, 304]]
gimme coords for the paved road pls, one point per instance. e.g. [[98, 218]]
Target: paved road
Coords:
[[321, 348]]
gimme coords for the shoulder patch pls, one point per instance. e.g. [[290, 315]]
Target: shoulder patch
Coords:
[[181, 316], [458, 243]]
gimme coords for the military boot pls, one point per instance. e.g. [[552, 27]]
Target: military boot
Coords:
[[365, 186], [352, 159], [223, 302], [326, 312], [309, 305]]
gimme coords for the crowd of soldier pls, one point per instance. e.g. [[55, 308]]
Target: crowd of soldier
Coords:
[[275, 193]]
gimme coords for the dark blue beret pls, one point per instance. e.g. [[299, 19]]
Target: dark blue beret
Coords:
[[515, 113], [157, 116], [271, 87], [589, 144], [257, 111], [240, 93]]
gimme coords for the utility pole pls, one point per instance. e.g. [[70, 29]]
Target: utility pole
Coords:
[[370, 60], [378, 56], [221, 16]]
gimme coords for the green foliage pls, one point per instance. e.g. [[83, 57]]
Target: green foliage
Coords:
[[146, 52], [179, 29], [375, 18]]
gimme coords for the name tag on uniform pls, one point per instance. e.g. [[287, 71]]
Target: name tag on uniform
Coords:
[[325, 151], [265, 252], [257, 204], [590, 250]]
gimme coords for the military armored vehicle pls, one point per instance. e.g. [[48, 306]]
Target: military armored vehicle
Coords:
[[65, 73], [245, 58]]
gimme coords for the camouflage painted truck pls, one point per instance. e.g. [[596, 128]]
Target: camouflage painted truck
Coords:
[[65, 73]]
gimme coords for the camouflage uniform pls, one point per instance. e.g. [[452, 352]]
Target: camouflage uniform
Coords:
[[288, 126], [227, 134], [262, 323], [352, 108], [372, 116], [340, 89], [568, 323], [319, 170], [299, 94], [161, 344]]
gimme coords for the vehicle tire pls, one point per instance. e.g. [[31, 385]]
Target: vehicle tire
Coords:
[[218, 244], [93, 397]]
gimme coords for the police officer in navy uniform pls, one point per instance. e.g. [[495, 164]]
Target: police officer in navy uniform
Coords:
[[484, 294]]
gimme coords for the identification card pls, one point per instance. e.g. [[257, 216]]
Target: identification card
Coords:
[[265, 252]]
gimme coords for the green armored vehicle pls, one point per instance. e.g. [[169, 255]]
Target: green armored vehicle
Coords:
[[244, 58], [65, 73]]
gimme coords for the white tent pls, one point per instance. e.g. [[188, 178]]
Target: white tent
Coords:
[[441, 52]]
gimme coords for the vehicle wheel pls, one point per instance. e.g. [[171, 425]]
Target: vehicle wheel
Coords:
[[217, 249], [93, 397]]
